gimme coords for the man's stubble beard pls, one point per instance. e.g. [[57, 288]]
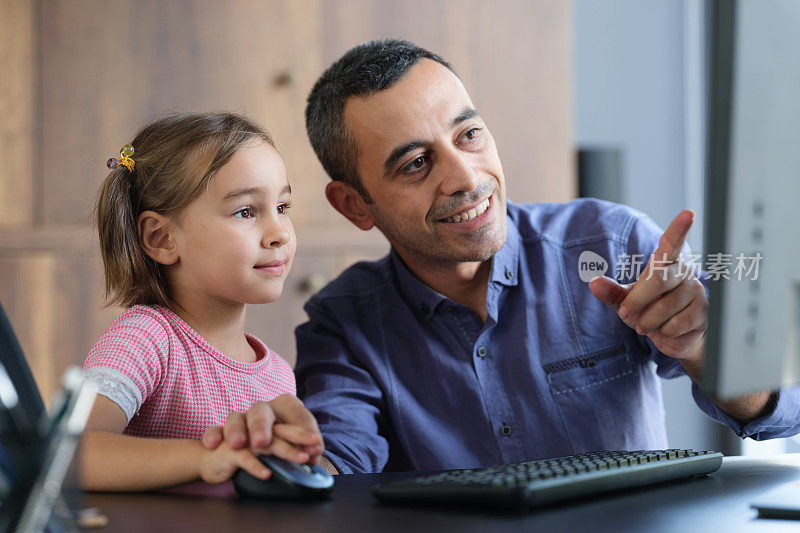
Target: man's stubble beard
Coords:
[[430, 249]]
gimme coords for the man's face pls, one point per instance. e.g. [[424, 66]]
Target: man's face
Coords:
[[430, 164]]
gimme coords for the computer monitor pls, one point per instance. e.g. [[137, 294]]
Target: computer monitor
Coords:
[[753, 197]]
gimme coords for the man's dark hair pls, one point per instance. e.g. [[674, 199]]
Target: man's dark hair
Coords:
[[362, 71]]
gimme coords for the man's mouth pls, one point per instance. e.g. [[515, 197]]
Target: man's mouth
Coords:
[[469, 214]]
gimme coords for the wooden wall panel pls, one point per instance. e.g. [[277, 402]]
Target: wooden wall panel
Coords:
[[27, 285], [78, 311], [17, 95], [109, 67], [101, 81], [53, 296]]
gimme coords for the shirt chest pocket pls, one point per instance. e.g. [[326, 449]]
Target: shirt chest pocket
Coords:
[[597, 396], [589, 370]]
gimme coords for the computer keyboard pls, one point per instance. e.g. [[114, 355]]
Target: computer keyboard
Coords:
[[535, 483]]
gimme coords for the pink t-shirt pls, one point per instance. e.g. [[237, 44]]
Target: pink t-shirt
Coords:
[[153, 364]]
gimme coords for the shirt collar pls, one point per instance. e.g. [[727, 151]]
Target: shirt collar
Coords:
[[505, 263], [419, 295], [505, 267]]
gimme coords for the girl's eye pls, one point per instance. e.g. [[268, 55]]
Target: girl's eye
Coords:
[[415, 165], [282, 208], [245, 212]]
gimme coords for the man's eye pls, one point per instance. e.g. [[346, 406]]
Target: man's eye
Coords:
[[472, 134], [415, 164], [245, 212]]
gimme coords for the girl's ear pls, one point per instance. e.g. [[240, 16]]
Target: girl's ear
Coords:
[[349, 203], [155, 238]]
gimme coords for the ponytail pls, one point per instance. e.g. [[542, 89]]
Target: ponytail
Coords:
[[119, 239]]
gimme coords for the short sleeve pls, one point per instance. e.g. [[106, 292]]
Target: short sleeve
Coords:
[[130, 359]]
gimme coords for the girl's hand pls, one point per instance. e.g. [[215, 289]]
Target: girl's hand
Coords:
[[282, 427], [219, 465]]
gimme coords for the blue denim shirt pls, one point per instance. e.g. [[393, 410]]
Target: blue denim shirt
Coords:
[[402, 378]]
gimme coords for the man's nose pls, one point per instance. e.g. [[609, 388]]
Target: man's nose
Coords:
[[276, 233], [458, 174]]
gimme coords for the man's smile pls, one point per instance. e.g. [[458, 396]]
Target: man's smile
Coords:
[[468, 214]]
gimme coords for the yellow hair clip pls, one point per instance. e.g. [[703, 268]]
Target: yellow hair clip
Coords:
[[125, 159]]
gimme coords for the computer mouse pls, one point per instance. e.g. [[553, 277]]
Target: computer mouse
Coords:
[[288, 481]]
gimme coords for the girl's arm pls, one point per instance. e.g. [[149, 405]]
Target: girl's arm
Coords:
[[111, 461]]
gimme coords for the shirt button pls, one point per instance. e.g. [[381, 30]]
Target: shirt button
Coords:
[[509, 274], [482, 351], [424, 309], [506, 430]]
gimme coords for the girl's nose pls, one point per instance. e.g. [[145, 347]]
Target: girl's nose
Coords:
[[277, 234]]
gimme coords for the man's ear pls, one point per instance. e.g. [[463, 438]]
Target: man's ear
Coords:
[[349, 203], [155, 238]]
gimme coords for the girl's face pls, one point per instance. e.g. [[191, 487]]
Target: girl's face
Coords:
[[235, 242]]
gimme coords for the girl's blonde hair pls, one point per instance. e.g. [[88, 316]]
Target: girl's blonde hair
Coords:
[[175, 160]]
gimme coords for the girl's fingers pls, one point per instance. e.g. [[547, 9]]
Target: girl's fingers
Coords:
[[220, 465], [250, 463], [259, 419], [235, 430], [212, 437]]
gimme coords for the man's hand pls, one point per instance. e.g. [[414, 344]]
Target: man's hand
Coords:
[[667, 303], [282, 427]]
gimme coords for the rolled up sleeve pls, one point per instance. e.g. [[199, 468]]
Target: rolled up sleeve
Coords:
[[782, 421]]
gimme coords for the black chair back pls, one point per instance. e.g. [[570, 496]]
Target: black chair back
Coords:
[[13, 360]]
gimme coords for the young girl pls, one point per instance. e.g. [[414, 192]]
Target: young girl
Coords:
[[193, 222]]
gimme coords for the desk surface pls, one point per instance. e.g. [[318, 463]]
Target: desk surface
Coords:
[[720, 502]]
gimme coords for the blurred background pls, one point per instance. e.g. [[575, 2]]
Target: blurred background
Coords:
[[602, 98]]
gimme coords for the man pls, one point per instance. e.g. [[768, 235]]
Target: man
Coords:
[[475, 341]]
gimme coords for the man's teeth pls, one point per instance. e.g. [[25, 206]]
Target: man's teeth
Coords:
[[469, 214]]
